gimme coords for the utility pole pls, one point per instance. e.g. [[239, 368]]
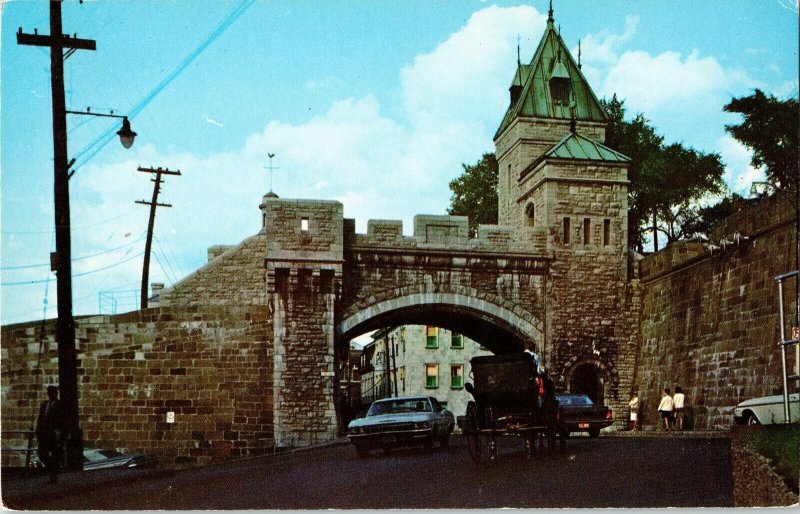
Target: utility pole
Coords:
[[61, 262], [153, 204]]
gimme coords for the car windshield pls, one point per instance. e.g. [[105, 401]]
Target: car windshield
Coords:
[[574, 401], [398, 406]]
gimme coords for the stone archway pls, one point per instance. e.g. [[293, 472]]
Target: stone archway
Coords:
[[591, 376], [586, 380], [499, 329]]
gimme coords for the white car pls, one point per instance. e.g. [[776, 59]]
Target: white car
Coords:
[[766, 410], [402, 421]]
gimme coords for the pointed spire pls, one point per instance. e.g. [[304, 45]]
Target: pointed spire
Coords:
[[550, 13], [579, 54]]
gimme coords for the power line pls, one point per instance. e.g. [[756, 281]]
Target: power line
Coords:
[[169, 264], [28, 266], [100, 141], [27, 282]]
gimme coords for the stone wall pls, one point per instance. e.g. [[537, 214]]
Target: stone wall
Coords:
[[710, 314], [209, 366]]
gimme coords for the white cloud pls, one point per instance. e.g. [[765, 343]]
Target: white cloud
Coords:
[[601, 49], [465, 79], [739, 173], [652, 82]]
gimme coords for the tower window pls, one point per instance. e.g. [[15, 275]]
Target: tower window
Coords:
[[304, 224], [559, 90], [606, 232], [530, 215], [587, 231], [566, 231]]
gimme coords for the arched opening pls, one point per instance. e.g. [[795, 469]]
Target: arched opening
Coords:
[[421, 344], [586, 379], [530, 215], [497, 329]]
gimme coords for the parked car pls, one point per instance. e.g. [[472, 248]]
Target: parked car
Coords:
[[106, 458], [766, 410], [577, 413], [405, 421]]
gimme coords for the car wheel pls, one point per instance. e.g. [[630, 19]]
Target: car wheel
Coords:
[[753, 420], [594, 432]]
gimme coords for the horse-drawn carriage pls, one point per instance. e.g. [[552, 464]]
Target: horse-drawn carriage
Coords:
[[511, 396]]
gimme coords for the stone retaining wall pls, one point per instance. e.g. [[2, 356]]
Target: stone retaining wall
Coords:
[[709, 314]]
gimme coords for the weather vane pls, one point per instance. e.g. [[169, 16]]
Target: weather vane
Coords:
[[270, 168]]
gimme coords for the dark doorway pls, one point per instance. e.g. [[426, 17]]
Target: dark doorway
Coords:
[[586, 380]]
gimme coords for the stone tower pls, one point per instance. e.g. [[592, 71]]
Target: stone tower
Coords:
[[303, 264], [556, 176]]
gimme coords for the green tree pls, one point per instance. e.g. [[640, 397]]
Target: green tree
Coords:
[[770, 131], [666, 181], [475, 193]]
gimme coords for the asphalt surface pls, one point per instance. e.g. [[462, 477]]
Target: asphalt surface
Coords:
[[606, 472]]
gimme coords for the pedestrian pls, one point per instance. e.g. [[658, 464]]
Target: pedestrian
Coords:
[[665, 408], [677, 407], [50, 433], [634, 406]]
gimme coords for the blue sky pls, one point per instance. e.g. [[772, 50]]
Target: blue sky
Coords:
[[372, 103]]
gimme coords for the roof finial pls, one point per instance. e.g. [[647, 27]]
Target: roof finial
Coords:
[[550, 12], [579, 54]]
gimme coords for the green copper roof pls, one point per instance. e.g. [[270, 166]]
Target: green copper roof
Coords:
[[578, 147], [552, 60]]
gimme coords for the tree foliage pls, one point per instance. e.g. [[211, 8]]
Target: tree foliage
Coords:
[[770, 130], [475, 193], [666, 181]]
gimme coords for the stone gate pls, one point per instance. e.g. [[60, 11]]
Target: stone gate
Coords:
[[244, 353]]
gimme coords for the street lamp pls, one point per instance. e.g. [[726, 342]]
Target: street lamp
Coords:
[[126, 135]]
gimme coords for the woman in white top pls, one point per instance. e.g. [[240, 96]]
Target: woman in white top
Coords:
[[665, 408], [634, 406], [677, 406]]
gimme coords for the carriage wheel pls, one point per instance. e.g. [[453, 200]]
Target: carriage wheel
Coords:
[[477, 442]]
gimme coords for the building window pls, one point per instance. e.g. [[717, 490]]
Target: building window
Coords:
[[431, 376], [432, 339], [587, 231], [566, 231], [304, 224], [456, 340], [457, 376], [606, 232], [530, 215]]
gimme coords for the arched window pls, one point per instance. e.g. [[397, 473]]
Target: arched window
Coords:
[[530, 214]]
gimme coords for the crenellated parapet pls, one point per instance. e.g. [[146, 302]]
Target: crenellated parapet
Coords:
[[447, 232]]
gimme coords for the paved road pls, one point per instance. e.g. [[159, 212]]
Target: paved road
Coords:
[[604, 472]]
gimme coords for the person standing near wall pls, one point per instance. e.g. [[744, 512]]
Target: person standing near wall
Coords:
[[50, 433], [634, 406], [677, 407], [665, 408]]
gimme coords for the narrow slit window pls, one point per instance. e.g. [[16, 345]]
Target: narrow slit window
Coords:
[[566, 231], [587, 231], [304, 224], [606, 232]]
